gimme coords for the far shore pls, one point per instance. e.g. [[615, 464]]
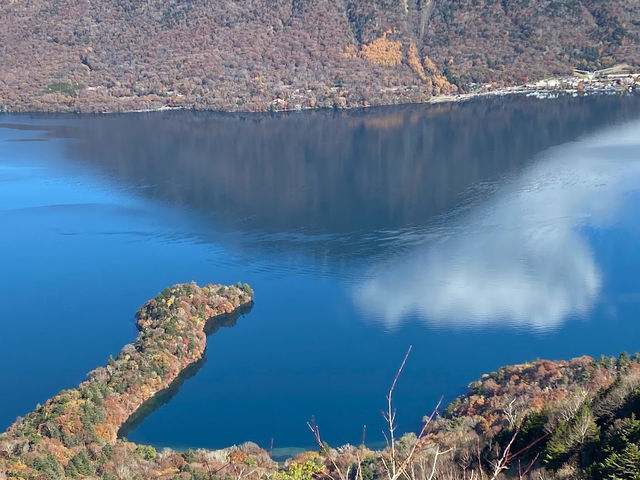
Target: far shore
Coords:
[[617, 80], [620, 79]]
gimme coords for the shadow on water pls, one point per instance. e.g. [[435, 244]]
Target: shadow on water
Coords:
[[321, 182], [165, 396]]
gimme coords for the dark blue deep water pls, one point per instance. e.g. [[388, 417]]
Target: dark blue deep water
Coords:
[[484, 233]]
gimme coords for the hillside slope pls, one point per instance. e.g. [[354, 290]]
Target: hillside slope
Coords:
[[257, 54]]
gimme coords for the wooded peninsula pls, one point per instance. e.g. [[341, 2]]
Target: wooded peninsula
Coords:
[[538, 420]]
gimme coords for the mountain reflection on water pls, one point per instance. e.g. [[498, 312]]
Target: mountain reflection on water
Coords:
[[337, 184]]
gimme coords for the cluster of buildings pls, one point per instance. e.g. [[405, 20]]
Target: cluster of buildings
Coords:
[[618, 78]]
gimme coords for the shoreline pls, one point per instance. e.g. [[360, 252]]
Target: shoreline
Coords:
[[171, 343], [618, 80], [541, 94], [547, 93], [78, 432]]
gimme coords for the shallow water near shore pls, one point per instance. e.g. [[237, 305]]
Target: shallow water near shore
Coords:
[[485, 233]]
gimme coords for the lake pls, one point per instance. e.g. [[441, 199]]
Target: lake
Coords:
[[485, 233]]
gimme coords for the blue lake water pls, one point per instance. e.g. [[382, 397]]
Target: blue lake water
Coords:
[[485, 233]]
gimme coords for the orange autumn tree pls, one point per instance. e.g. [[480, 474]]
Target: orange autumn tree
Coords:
[[383, 51], [414, 61]]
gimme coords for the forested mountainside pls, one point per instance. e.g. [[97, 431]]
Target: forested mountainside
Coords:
[[246, 55]]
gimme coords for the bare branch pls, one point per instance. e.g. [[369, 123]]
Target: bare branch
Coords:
[[323, 447], [390, 416]]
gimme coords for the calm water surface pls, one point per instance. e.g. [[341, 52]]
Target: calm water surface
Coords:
[[483, 234]]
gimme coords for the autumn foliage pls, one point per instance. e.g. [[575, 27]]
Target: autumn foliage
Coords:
[[383, 51], [562, 420], [258, 55], [70, 431]]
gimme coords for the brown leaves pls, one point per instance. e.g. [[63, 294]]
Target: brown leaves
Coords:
[[383, 51], [237, 456], [90, 415], [414, 61]]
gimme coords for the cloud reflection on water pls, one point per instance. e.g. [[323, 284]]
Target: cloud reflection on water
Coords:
[[522, 258]]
